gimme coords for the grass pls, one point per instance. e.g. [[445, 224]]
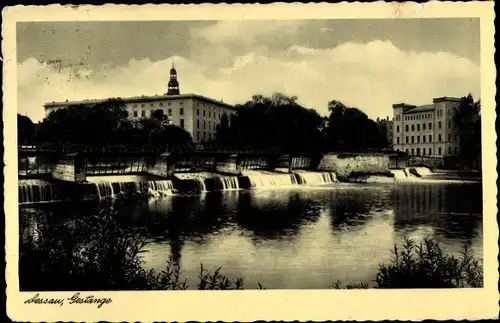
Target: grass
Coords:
[[100, 253]]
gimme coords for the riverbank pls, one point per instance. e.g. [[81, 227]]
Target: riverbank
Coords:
[[116, 261]]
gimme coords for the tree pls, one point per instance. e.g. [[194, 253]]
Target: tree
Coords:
[[350, 129], [25, 129], [276, 123], [85, 124], [223, 131], [160, 116], [467, 118]]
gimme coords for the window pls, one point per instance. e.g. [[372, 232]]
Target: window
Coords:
[[182, 111], [449, 124], [412, 127], [198, 123], [418, 127], [406, 139], [135, 114], [406, 150], [142, 105], [169, 112], [412, 139], [456, 151], [143, 113], [161, 104], [209, 126], [198, 135], [456, 137], [209, 114], [406, 128], [203, 112], [418, 138], [439, 125], [197, 112], [204, 124], [182, 103], [397, 129], [151, 104], [418, 151], [449, 137], [430, 138], [423, 138], [449, 150], [135, 105], [412, 151], [423, 126], [423, 151], [397, 139], [182, 123], [170, 103], [439, 138], [204, 136], [430, 126], [439, 151], [430, 151]]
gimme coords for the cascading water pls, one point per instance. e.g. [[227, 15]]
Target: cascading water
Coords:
[[164, 187], [316, 178], [410, 173], [35, 191], [271, 180], [229, 183], [104, 190], [200, 183]]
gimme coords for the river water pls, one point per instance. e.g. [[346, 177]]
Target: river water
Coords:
[[302, 238]]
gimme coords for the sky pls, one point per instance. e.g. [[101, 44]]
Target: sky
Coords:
[[368, 64]]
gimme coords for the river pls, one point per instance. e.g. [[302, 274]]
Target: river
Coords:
[[301, 237]]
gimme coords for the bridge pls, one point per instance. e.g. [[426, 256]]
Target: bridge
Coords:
[[72, 164]]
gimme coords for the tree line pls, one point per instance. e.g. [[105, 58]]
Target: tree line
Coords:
[[276, 123]]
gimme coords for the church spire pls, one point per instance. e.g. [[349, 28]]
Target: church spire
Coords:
[[173, 84]]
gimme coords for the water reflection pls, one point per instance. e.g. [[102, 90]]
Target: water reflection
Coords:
[[300, 238]]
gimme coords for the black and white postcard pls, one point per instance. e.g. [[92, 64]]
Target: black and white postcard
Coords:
[[288, 162]]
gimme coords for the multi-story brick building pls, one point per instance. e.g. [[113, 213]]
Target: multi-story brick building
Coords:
[[426, 130], [196, 114]]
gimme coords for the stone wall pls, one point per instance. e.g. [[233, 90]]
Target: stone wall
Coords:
[[228, 165], [346, 164], [64, 170]]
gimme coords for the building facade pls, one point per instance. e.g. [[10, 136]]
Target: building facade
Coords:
[[426, 130], [197, 114], [386, 125]]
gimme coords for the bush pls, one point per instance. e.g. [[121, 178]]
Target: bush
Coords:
[[100, 253], [424, 265]]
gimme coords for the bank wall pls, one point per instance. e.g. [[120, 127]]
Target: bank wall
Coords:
[[345, 165]]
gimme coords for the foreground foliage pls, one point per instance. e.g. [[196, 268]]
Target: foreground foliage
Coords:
[[101, 253]]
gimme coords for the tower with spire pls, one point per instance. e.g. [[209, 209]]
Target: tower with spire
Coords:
[[173, 84]]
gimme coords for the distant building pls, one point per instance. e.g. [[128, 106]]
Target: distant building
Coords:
[[426, 130], [386, 125], [196, 114]]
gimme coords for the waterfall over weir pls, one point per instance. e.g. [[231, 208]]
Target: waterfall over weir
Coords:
[[316, 178], [265, 180], [34, 191], [108, 189]]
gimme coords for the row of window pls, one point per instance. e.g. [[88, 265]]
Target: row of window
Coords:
[[417, 116], [206, 136], [429, 152], [407, 138], [144, 113], [211, 126], [152, 104], [407, 127], [211, 114]]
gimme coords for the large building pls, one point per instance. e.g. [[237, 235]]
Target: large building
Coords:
[[426, 130], [386, 125], [196, 114]]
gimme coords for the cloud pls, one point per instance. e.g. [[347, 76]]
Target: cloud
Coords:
[[369, 76]]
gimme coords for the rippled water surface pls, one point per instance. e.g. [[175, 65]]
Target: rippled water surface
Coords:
[[303, 237]]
